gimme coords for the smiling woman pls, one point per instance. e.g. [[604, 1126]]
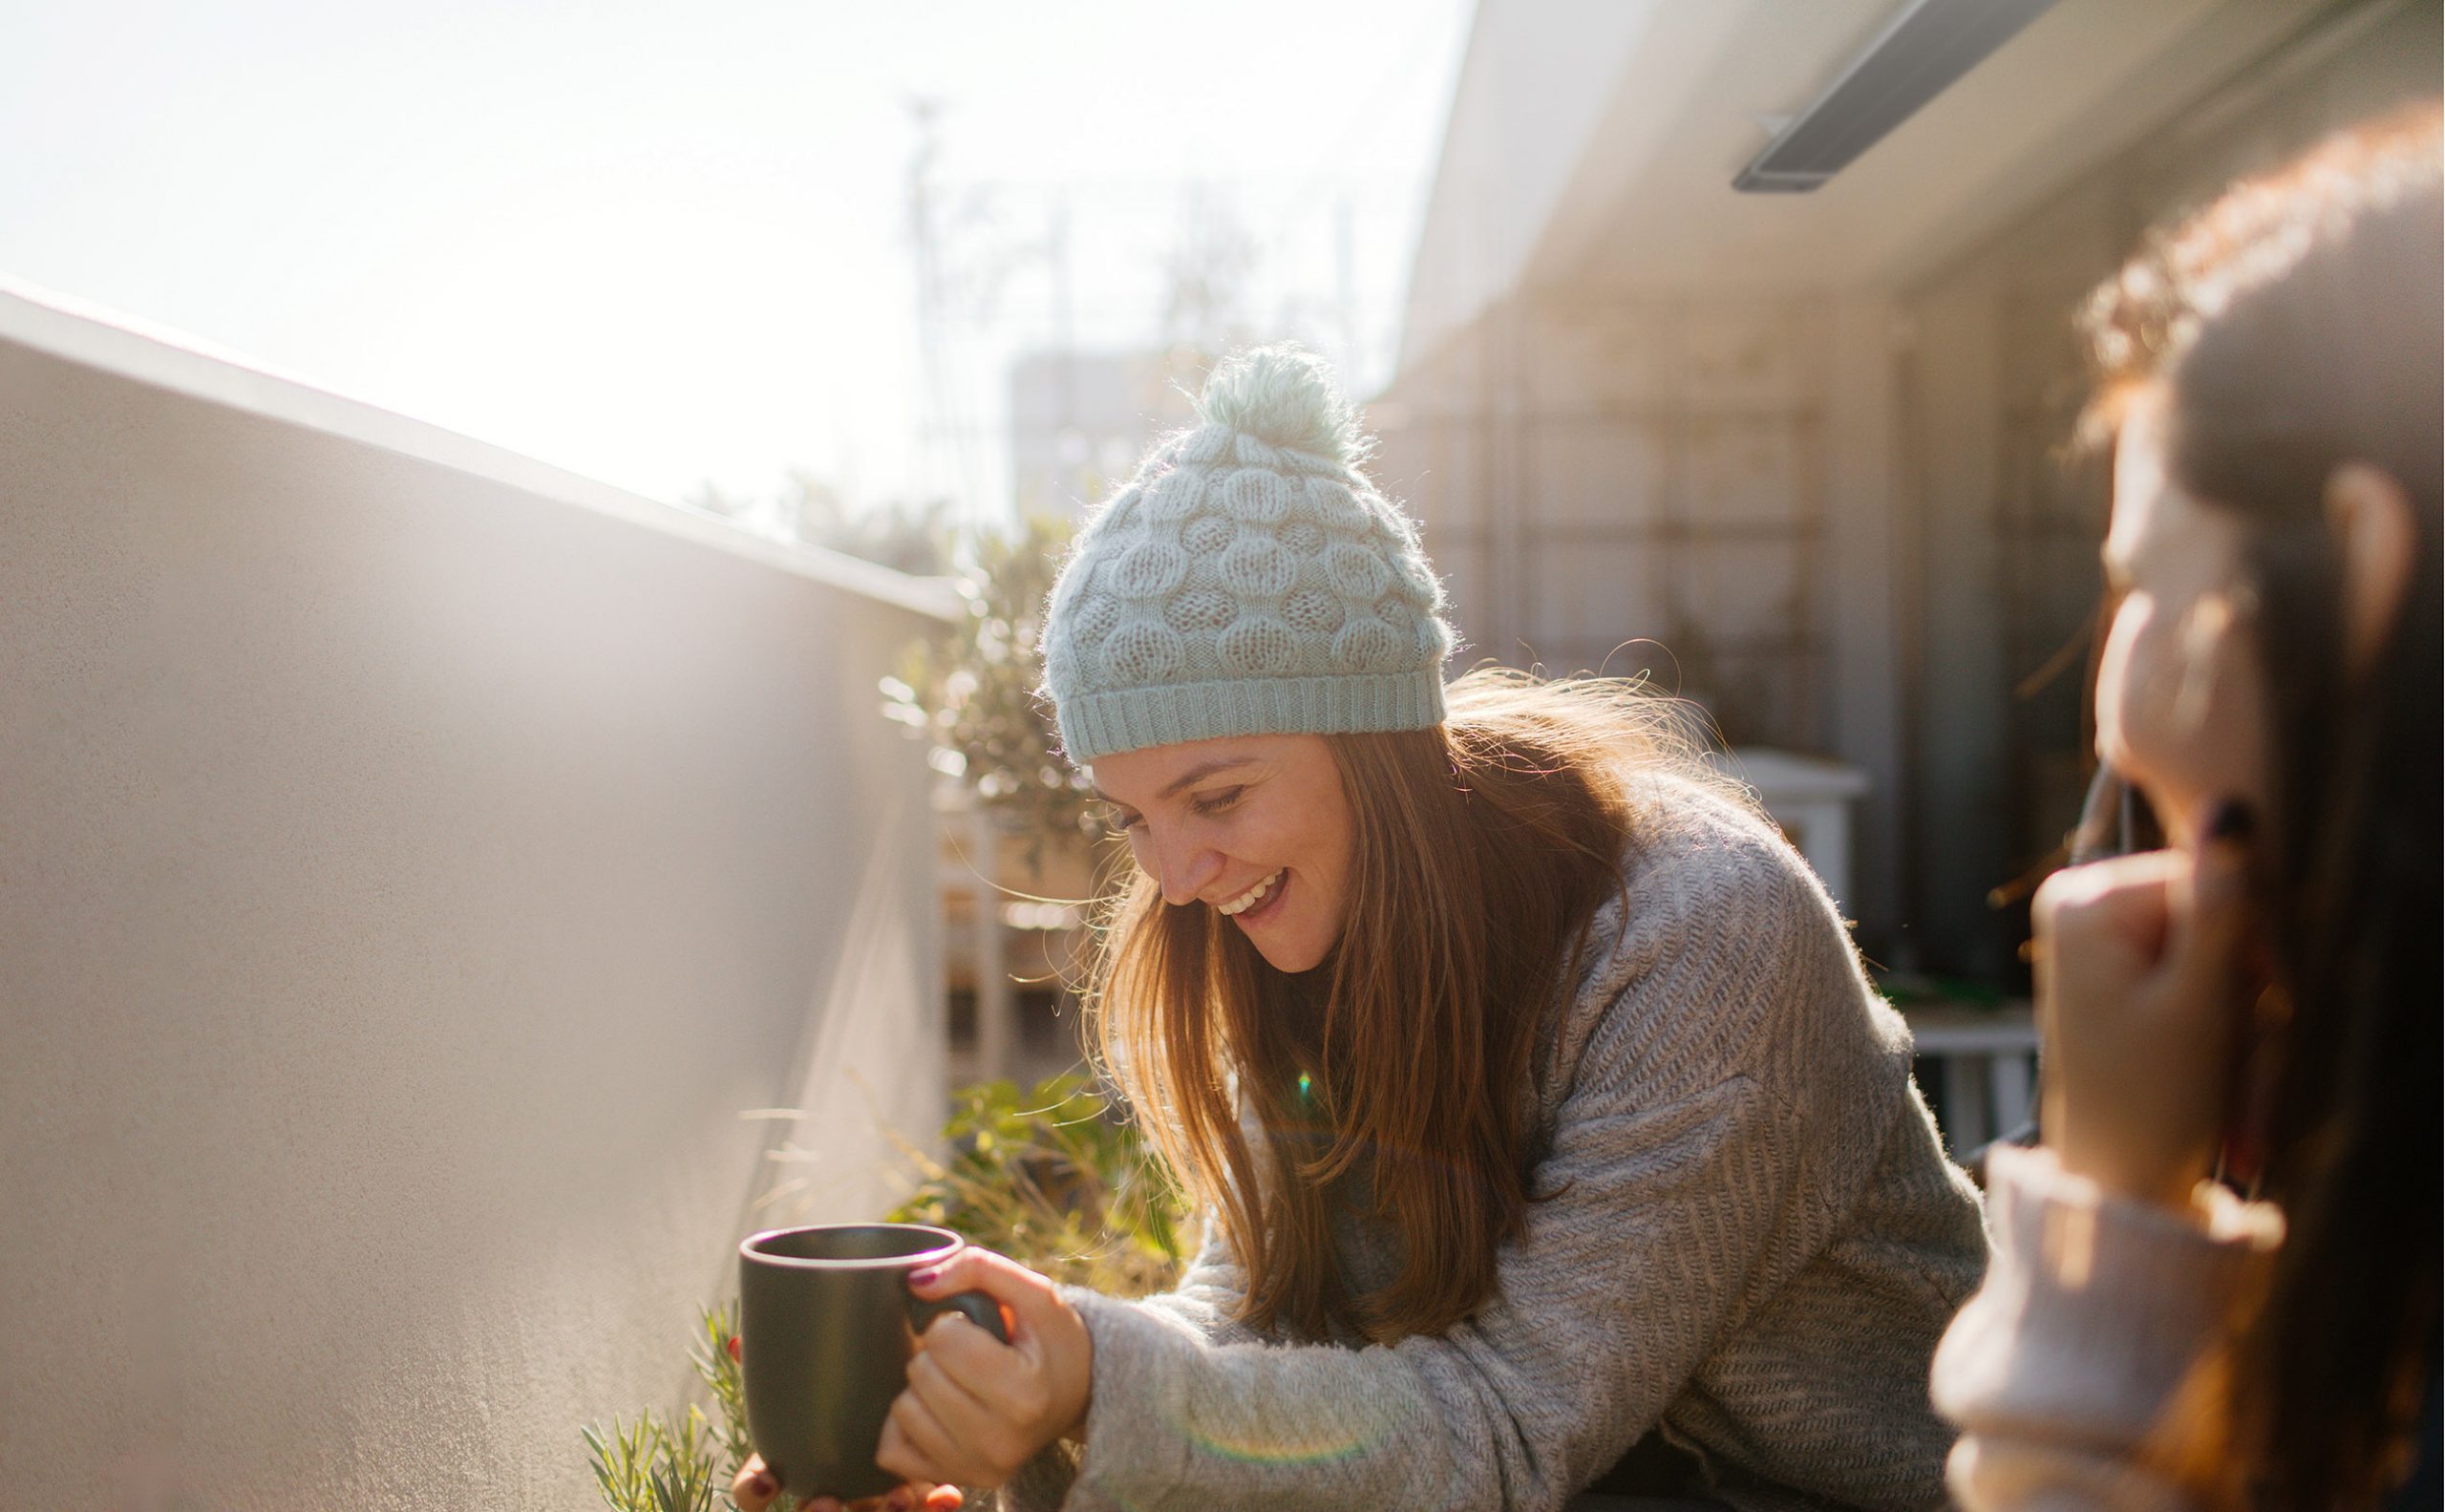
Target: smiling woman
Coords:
[[1549, 1134], [1238, 826]]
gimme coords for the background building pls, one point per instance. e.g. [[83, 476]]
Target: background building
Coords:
[[1802, 454]]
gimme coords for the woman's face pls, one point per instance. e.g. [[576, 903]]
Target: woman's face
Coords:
[[2181, 696], [1256, 827]]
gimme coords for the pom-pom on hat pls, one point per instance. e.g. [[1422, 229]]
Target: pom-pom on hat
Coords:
[[1247, 581]]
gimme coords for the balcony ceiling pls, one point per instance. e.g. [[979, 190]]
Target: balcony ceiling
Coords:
[[1592, 147]]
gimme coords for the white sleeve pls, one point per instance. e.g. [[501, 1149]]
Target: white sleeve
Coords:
[[2094, 1312]]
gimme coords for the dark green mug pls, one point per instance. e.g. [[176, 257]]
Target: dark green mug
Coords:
[[826, 1329]]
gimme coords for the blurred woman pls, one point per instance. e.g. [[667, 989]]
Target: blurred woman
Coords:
[[2260, 1001]]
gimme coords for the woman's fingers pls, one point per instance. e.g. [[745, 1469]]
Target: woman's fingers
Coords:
[[756, 1488], [2139, 976], [917, 1447], [2114, 913], [2211, 907], [753, 1487], [979, 1367], [955, 1381], [1029, 1300], [983, 1394]]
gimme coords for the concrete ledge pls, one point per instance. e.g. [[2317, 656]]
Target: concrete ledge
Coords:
[[130, 347]]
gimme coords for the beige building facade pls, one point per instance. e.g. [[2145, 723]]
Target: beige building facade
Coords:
[[1802, 458]]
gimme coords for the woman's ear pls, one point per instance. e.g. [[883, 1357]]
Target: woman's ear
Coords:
[[2370, 517]]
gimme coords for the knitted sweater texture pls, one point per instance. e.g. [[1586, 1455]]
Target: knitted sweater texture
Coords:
[[1747, 1236]]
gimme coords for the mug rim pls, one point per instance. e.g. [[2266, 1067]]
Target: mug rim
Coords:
[[951, 1244]]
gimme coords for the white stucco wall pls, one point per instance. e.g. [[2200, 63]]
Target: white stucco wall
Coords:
[[413, 861]]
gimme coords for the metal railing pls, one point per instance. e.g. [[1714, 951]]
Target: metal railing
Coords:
[[1984, 1084]]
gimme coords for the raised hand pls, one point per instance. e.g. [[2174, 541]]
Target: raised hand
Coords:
[[2141, 998]]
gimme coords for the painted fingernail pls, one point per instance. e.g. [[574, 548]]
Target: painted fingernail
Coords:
[[762, 1484], [2232, 823], [926, 1277], [898, 1500]]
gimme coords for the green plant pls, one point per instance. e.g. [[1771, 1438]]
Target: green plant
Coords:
[[714, 1354], [972, 690], [1050, 1176], [682, 1462]]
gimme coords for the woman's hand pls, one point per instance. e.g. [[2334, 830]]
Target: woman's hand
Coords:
[[977, 1409], [2141, 997], [755, 1488]]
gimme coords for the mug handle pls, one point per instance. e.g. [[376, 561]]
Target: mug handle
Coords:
[[977, 1307]]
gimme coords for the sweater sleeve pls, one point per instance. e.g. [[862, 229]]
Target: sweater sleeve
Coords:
[[1206, 1299], [1678, 1190], [2093, 1312], [1204, 1302], [1605, 1305]]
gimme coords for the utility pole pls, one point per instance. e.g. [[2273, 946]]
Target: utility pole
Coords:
[[1346, 289], [945, 447], [1064, 334], [925, 246]]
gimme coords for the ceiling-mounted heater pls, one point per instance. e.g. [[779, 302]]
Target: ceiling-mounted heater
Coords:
[[1920, 52]]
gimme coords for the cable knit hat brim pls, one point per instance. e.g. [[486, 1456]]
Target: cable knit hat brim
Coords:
[[1097, 725]]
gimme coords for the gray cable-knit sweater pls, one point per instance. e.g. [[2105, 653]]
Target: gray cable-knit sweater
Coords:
[[1747, 1235]]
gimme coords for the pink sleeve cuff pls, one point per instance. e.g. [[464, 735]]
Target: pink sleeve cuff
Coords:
[[2094, 1308]]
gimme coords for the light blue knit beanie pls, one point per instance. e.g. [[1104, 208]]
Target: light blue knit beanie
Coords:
[[1247, 581]]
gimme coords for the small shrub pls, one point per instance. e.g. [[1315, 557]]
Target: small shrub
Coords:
[[1050, 1176], [684, 1462], [971, 690]]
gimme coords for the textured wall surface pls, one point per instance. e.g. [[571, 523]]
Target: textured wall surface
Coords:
[[407, 876]]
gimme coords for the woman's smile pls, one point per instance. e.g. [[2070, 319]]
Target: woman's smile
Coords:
[[1258, 903]]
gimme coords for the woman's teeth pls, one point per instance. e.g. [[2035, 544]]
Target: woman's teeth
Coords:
[[1252, 897]]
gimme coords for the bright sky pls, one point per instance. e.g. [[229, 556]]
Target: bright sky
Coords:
[[660, 243]]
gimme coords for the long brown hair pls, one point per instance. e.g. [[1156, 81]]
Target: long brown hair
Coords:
[[1398, 1077], [2294, 327]]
